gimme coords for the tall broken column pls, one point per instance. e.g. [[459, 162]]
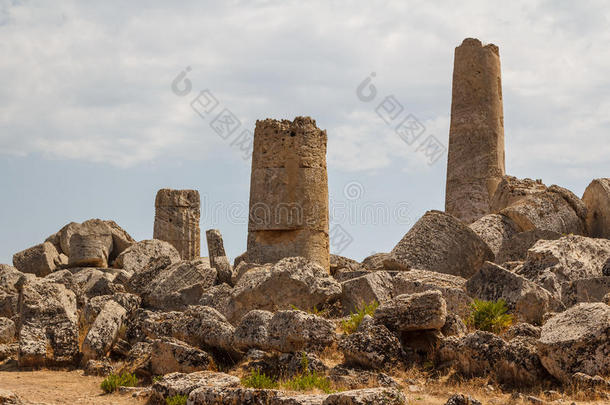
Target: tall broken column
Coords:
[[288, 192], [475, 163], [177, 214]]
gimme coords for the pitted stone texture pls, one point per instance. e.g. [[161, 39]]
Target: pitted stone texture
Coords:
[[483, 354], [173, 286], [7, 330], [516, 247], [551, 210], [523, 297], [49, 327], [453, 288], [597, 200], [454, 326], [253, 330], [461, 399], [172, 355], [291, 281], [476, 137], [215, 244], [577, 340], [371, 347], [177, 214], [552, 263], [495, 230], [413, 312], [90, 250], [39, 260], [183, 384], [104, 331], [441, 243], [137, 257], [291, 331], [585, 290], [511, 190], [288, 192], [9, 290], [364, 290]]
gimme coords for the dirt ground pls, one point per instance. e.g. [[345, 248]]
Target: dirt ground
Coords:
[[60, 387], [72, 387]]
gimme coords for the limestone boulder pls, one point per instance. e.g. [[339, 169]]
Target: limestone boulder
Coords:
[[577, 340], [538, 207], [130, 302], [452, 288], [591, 289], [511, 190], [104, 331], [137, 256], [49, 327], [483, 354], [9, 398], [7, 330], [527, 300], [218, 297], [90, 250], [372, 287], [39, 260], [223, 268], [9, 291], [171, 355], [198, 326], [253, 330], [292, 281], [340, 262], [515, 248], [413, 312], [167, 286], [461, 399], [597, 200], [572, 257], [121, 240], [495, 230], [373, 347], [442, 243], [291, 331], [183, 384], [216, 246], [522, 329], [9, 351], [177, 214], [454, 326], [367, 396], [375, 261]]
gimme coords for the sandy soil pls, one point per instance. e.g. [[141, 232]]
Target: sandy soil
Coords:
[[72, 387], [60, 387]]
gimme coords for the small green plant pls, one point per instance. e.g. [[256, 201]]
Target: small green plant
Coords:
[[114, 381], [314, 310], [259, 380], [490, 316], [350, 325], [176, 400], [157, 378], [308, 380]]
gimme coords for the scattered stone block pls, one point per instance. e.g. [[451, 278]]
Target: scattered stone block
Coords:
[[39, 260], [597, 200]]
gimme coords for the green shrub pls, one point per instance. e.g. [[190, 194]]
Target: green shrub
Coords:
[[114, 381], [490, 316], [308, 380], [176, 400], [350, 325], [256, 379]]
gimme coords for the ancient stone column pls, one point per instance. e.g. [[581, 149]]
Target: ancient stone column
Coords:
[[177, 221], [288, 192], [476, 136]]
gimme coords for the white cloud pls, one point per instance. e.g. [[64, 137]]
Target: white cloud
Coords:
[[90, 81]]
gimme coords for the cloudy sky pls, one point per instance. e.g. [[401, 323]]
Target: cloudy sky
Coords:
[[90, 126]]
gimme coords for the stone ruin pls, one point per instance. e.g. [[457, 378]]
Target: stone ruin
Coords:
[[475, 164], [90, 296], [288, 192], [177, 214]]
